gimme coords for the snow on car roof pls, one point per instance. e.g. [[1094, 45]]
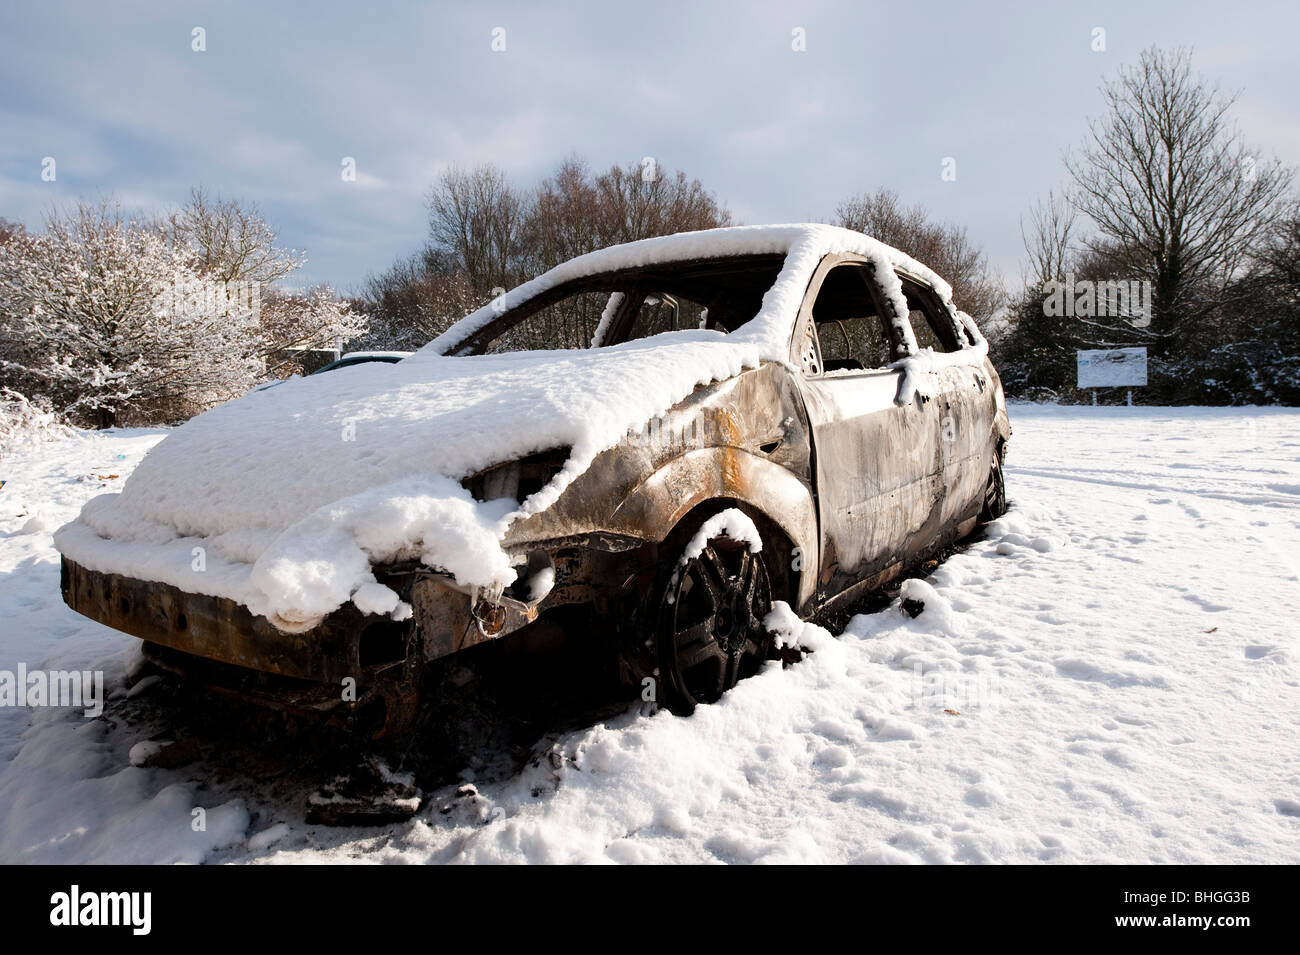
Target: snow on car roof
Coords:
[[803, 244]]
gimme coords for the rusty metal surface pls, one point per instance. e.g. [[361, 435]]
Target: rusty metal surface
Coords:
[[848, 488], [212, 627], [198, 635], [743, 440]]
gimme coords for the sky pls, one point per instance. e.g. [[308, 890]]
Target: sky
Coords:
[[881, 95]]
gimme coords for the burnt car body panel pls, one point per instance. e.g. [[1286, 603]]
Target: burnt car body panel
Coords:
[[848, 486]]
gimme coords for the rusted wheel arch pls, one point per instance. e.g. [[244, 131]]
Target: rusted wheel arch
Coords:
[[706, 616]]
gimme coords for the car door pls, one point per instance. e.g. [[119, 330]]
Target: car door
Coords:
[[878, 467], [963, 401]]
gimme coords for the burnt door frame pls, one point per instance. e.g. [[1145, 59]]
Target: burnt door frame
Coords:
[[878, 470]]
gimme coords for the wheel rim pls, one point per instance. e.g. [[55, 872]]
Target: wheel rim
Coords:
[[713, 610]]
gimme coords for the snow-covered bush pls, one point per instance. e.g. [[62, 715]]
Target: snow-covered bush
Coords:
[[114, 322], [111, 324], [315, 319], [24, 422]]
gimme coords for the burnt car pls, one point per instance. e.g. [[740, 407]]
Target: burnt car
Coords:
[[654, 442]]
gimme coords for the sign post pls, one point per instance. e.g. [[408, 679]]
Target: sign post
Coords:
[[1112, 368]]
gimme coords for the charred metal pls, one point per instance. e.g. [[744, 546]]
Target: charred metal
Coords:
[[845, 486]]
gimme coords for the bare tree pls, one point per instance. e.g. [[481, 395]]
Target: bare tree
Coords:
[[564, 219], [1280, 255], [230, 240], [1047, 240], [945, 248], [415, 300], [1165, 175], [485, 233], [574, 211], [641, 200], [476, 215]]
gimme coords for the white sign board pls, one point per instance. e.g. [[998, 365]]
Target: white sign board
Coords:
[[1113, 368]]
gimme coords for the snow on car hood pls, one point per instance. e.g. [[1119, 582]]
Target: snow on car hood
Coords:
[[283, 499]]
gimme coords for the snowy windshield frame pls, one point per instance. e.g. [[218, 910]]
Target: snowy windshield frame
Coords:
[[602, 309]]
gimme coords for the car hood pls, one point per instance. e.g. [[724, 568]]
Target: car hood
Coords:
[[284, 498]]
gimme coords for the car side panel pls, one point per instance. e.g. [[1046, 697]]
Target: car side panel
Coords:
[[744, 439], [879, 474], [968, 409]]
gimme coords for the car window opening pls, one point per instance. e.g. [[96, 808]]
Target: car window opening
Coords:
[[718, 295], [848, 325]]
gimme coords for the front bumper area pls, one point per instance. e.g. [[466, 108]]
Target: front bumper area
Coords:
[[348, 665], [215, 628], [352, 669]]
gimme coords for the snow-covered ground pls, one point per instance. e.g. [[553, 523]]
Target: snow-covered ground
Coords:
[[1111, 676]]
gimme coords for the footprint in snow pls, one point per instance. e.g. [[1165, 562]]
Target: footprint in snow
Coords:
[[833, 757], [1118, 756], [984, 796], [1116, 676], [1206, 605], [1130, 720]]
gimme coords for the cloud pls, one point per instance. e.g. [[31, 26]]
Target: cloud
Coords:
[[880, 96]]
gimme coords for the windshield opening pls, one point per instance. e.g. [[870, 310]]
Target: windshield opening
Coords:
[[614, 307]]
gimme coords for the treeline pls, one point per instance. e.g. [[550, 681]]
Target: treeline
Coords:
[[486, 234], [111, 319], [1170, 232], [1164, 199]]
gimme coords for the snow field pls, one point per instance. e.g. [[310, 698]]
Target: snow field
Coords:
[[1109, 676]]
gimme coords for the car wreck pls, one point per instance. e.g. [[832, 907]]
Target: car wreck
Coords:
[[658, 441]]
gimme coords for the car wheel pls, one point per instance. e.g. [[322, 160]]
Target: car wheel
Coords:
[[710, 633], [995, 492]]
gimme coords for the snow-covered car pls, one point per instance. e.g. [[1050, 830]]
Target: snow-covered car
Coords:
[[654, 442]]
